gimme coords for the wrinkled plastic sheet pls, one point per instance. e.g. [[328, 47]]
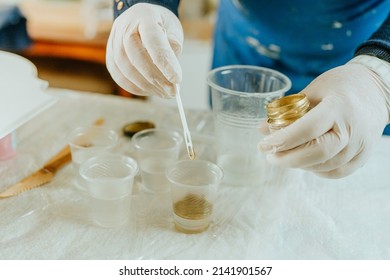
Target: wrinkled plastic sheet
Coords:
[[291, 214]]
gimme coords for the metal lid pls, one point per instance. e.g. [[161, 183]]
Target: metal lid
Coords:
[[284, 111], [132, 128]]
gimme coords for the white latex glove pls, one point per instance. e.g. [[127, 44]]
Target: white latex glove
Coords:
[[337, 136], [142, 50]]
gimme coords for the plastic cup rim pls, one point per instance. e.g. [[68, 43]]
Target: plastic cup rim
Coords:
[[209, 163], [132, 162], [71, 135], [178, 138], [252, 94]]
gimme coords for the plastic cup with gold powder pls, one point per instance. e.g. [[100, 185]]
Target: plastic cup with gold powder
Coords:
[[194, 185]]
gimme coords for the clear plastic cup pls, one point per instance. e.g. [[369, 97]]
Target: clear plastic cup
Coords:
[[87, 142], [240, 94], [156, 149], [109, 181], [194, 185]]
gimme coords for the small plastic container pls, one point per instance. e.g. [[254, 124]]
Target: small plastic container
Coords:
[[109, 181], [156, 149], [87, 142], [194, 185]]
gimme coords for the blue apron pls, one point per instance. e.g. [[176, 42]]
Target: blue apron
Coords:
[[13, 30], [300, 38]]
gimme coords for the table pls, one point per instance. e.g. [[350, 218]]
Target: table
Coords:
[[290, 215]]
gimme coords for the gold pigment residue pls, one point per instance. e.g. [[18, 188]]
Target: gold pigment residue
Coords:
[[86, 145], [193, 207], [191, 153]]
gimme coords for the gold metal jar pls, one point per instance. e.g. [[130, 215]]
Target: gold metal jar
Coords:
[[283, 111]]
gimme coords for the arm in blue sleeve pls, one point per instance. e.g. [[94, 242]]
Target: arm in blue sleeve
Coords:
[[378, 44], [172, 5]]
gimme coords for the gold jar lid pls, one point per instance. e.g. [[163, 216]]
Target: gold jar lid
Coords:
[[283, 111], [132, 128], [289, 100]]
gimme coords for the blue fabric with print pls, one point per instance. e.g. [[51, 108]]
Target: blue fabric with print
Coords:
[[301, 39], [13, 30]]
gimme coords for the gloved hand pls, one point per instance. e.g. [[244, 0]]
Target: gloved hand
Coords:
[[337, 136], [142, 50]]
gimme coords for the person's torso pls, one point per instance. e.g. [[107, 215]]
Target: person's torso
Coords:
[[307, 36]]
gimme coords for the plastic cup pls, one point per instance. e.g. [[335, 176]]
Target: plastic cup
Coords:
[[109, 181], [240, 94], [194, 185], [87, 142], [156, 149]]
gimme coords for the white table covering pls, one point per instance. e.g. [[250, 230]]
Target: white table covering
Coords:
[[290, 215]]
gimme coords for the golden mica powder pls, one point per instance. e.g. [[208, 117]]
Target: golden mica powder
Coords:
[[193, 207]]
